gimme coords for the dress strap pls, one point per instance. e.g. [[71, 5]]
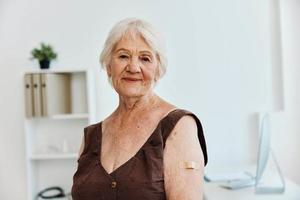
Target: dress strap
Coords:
[[91, 139], [170, 122]]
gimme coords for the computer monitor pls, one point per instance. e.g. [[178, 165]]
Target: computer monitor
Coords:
[[264, 152]]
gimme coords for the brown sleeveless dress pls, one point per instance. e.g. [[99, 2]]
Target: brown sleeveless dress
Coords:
[[140, 178]]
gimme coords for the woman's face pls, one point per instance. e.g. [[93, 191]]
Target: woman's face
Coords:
[[133, 67]]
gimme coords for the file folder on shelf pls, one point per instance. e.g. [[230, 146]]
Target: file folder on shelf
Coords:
[[37, 107], [28, 95], [55, 92]]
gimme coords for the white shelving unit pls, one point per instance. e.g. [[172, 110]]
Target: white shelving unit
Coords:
[[53, 156], [52, 142]]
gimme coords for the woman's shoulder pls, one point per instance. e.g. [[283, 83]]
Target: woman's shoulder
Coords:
[[183, 115], [92, 128], [109, 119]]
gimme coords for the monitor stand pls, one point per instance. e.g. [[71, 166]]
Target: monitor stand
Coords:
[[263, 189]]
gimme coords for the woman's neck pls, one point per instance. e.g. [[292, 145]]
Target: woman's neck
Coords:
[[129, 105]]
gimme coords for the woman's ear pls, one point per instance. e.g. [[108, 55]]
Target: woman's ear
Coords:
[[108, 70]]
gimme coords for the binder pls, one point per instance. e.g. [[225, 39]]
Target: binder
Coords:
[[37, 105], [44, 97], [55, 93], [28, 95]]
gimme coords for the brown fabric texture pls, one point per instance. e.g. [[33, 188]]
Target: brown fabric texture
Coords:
[[140, 178]]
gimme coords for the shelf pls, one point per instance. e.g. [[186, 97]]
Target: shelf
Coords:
[[64, 116], [54, 156], [57, 70], [70, 116]]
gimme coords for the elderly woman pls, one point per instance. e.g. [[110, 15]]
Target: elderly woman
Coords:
[[147, 149]]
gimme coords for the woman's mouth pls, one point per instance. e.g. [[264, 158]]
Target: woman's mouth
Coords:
[[128, 79]]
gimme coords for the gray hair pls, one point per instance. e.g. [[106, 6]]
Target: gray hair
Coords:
[[140, 27]]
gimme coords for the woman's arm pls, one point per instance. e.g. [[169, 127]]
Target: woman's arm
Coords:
[[184, 162]]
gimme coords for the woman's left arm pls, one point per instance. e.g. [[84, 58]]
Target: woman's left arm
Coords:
[[184, 162]]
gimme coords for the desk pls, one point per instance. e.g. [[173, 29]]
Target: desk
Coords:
[[214, 192]]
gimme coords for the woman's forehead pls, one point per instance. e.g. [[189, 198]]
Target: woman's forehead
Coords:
[[132, 42]]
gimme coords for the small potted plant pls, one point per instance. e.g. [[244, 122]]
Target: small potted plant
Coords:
[[44, 55]]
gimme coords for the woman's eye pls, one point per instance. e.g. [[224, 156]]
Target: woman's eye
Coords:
[[123, 56], [145, 59]]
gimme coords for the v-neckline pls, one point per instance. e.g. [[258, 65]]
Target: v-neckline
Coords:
[[99, 145]]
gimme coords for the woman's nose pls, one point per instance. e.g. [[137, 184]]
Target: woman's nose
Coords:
[[133, 66]]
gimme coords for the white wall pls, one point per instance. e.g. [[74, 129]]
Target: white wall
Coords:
[[219, 63], [288, 140]]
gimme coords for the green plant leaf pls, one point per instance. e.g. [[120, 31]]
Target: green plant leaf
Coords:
[[45, 52]]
